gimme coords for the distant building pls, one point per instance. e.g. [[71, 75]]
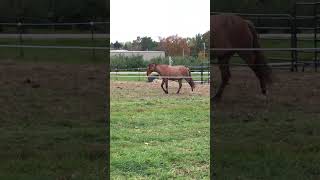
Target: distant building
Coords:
[[146, 55]]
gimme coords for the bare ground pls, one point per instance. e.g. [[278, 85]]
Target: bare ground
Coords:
[[289, 89], [154, 88], [54, 115]]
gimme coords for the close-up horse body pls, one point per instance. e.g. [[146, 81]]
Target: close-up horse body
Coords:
[[173, 73], [231, 31]]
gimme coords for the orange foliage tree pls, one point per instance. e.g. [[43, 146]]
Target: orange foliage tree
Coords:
[[174, 46]]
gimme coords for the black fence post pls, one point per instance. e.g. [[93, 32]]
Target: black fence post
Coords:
[[315, 31], [294, 40], [92, 40], [19, 27], [116, 70], [201, 73], [209, 72]]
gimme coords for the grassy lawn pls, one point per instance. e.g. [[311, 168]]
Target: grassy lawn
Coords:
[[142, 77], [274, 139], [52, 127], [157, 136]]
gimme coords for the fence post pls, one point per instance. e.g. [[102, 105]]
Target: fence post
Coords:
[[294, 40], [19, 26], [116, 69], [201, 73], [92, 40], [315, 31]]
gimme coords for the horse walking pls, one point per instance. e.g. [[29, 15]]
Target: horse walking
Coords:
[[230, 31], [173, 73]]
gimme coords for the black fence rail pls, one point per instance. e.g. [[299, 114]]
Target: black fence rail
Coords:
[[140, 73], [24, 33], [293, 24]]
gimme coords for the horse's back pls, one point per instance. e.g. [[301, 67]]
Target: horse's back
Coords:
[[230, 31], [175, 71]]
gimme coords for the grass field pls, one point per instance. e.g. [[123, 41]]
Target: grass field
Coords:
[[53, 127], [142, 77], [274, 139], [158, 136], [52, 120]]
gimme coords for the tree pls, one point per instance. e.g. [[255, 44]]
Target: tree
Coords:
[[148, 44], [127, 46], [197, 43], [117, 45], [174, 46], [136, 44]]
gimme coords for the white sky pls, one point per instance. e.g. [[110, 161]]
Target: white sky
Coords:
[[158, 18]]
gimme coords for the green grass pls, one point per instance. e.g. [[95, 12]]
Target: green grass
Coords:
[[55, 131], [285, 147], [275, 140], [156, 136]]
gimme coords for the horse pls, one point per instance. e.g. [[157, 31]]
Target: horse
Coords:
[[173, 73], [231, 31]]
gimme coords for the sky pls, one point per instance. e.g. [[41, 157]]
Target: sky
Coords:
[[158, 18]]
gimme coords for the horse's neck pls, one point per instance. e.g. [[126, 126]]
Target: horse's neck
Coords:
[[159, 69]]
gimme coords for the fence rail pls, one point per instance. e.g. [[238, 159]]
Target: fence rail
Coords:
[[55, 24], [91, 27], [293, 22]]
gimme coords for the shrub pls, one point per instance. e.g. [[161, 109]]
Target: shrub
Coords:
[[126, 63], [123, 62]]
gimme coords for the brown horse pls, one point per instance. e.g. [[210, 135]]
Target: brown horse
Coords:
[[174, 73], [230, 31]]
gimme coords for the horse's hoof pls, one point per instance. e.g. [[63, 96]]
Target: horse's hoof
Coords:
[[215, 99]]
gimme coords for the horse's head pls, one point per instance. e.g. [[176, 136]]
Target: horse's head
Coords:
[[151, 68]]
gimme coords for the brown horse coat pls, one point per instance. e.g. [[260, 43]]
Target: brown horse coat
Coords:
[[230, 31], [174, 73]]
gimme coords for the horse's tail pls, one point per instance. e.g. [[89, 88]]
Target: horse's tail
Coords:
[[260, 60], [190, 80]]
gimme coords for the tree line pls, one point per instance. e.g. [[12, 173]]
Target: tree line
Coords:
[[173, 45]]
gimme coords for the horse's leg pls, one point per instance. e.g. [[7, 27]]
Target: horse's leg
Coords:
[[180, 85], [190, 81], [166, 81], [225, 75], [163, 80], [250, 60]]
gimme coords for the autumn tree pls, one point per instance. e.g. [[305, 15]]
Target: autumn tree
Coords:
[[174, 46]]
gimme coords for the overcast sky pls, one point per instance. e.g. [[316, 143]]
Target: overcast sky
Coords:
[[158, 18]]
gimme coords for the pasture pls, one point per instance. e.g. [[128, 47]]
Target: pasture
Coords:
[[156, 135], [52, 118], [274, 139], [141, 76]]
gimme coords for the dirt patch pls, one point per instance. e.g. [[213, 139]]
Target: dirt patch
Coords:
[[154, 88], [292, 90], [53, 87]]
